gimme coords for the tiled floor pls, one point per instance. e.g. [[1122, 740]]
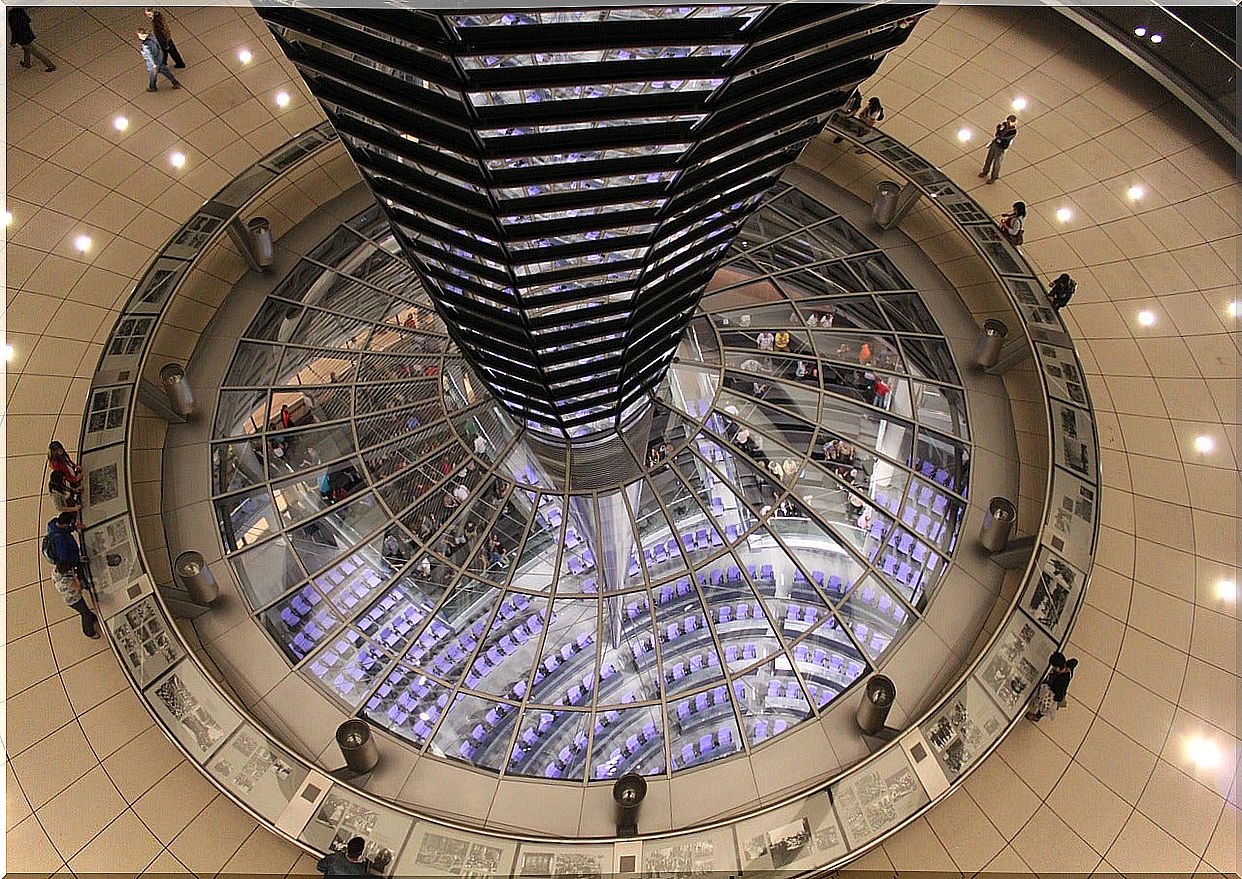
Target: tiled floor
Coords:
[[1108, 786]]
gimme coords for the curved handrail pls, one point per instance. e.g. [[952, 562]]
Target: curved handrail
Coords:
[[107, 435]]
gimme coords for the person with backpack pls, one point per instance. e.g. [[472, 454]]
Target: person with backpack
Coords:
[[1005, 133], [1061, 291], [1011, 224], [61, 549], [1050, 695]]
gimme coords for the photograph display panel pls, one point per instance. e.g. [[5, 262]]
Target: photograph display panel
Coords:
[[143, 638], [1072, 510], [443, 851], [963, 729], [115, 568], [103, 482], [343, 814], [193, 709], [565, 861], [800, 836], [1052, 595], [878, 796], [695, 854], [1073, 440], [1015, 665], [262, 775]]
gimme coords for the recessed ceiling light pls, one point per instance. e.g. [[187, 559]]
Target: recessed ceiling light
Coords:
[[82, 243], [1146, 318], [282, 99], [1140, 31], [1019, 103], [1227, 590], [1065, 215], [1157, 38], [8, 218], [1233, 309], [964, 134], [1204, 444], [1136, 192], [8, 352], [1204, 753], [177, 160], [244, 56], [120, 123]]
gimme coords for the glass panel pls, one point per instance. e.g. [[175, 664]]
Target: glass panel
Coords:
[[267, 571], [322, 540], [632, 742], [408, 703], [445, 646], [702, 728], [553, 743], [397, 615], [943, 460], [253, 364], [300, 621], [628, 668], [689, 658], [349, 665], [235, 465], [240, 413], [566, 671], [473, 730], [246, 518], [304, 496], [352, 581], [770, 700]]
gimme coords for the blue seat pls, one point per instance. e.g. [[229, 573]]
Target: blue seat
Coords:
[[700, 702], [687, 755]]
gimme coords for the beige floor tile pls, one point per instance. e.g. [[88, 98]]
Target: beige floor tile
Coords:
[[213, 837], [28, 850], [1206, 693], [1152, 665], [263, 853], [16, 806], [1136, 711], [1222, 850], [1002, 795], [917, 848], [1049, 845], [114, 723], [971, 840], [1035, 756], [1122, 764], [29, 661], [53, 764], [34, 713], [75, 816], [1141, 843], [1214, 639], [1182, 807], [174, 801], [123, 842], [93, 680], [1095, 812]]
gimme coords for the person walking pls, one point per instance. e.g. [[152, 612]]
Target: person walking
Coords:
[[60, 548], [153, 57], [1005, 133], [164, 37], [1050, 695], [1061, 291], [347, 863], [22, 34], [851, 107], [1011, 224]]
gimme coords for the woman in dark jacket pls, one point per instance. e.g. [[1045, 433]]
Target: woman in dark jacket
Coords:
[[159, 26], [1050, 695], [22, 34]]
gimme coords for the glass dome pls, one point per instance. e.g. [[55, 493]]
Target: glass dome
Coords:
[[773, 527]]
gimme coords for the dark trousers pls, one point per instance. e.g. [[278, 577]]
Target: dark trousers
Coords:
[[89, 620], [170, 49]]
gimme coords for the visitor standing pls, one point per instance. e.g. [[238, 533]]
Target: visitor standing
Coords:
[[69, 586], [1012, 223], [852, 106], [153, 57], [160, 26], [347, 863], [871, 115], [1005, 133], [22, 34], [58, 461], [1050, 695], [1061, 291]]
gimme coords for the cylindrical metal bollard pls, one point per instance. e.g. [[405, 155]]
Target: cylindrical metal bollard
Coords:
[[884, 205], [990, 342], [177, 389], [357, 745], [261, 241], [877, 699], [997, 524], [197, 577]]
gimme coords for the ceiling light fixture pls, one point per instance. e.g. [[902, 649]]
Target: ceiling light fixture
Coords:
[[82, 243], [1204, 444], [120, 123], [1146, 318], [1136, 192], [964, 134], [1065, 215], [244, 56], [1233, 309], [1227, 590], [1019, 103], [282, 99], [1140, 31], [177, 160], [8, 352], [8, 218], [1157, 38]]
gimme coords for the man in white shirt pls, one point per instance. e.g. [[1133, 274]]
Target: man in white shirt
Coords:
[[461, 492], [765, 341]]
